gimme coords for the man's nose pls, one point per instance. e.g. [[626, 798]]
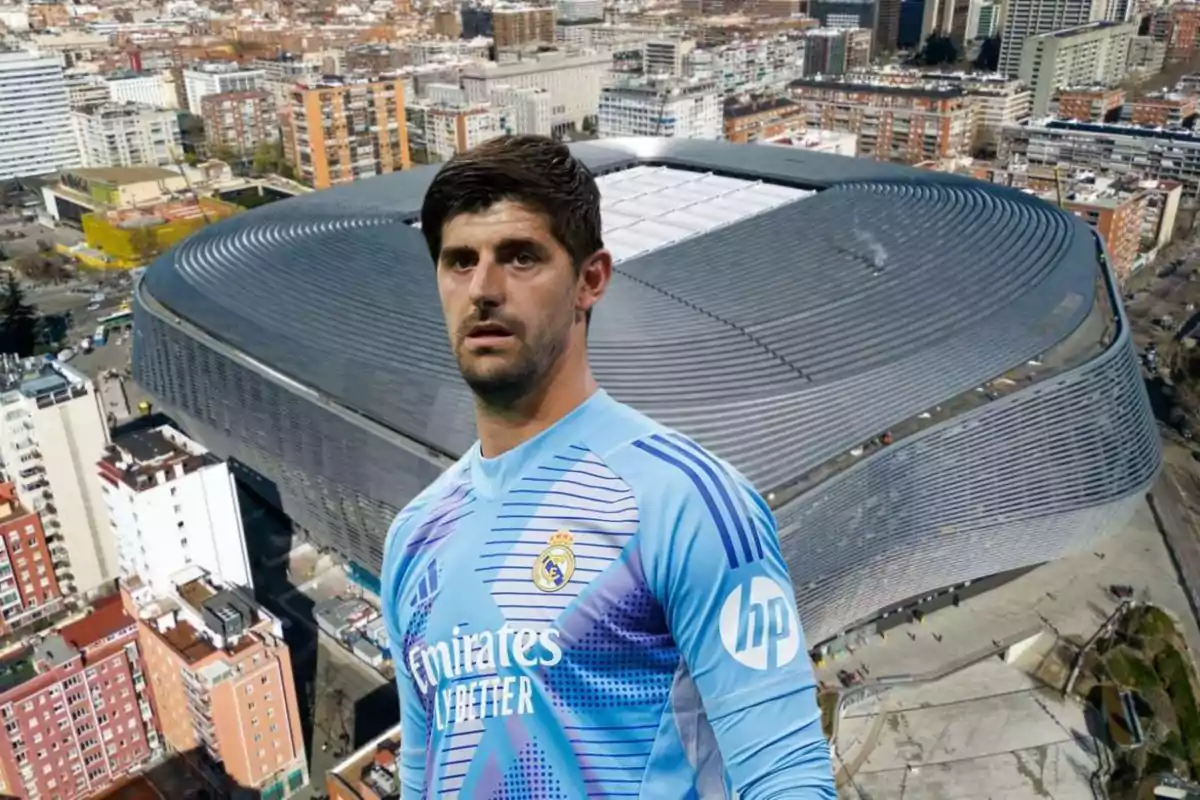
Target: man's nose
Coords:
[[487, 282]]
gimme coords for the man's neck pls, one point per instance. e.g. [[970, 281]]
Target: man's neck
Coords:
[[565, 388]]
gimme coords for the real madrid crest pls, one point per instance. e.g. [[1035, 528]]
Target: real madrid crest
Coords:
[[555, 565]]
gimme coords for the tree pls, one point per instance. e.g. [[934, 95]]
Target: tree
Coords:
[[989, 54], [18, 320], [269, 158]]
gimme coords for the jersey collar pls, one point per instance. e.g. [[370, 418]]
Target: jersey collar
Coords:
[[491, 477]]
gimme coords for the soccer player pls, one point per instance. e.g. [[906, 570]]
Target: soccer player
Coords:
[[588, 604]]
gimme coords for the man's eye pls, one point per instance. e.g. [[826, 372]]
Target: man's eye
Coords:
[[524, 260]]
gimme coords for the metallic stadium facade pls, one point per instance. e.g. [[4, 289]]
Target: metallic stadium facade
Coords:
[[930, 379]]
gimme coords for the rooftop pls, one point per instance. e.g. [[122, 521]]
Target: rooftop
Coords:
[[47, 381], [124, 176], [931, 91], [143, 458], [187, 641], [1067, 33], [16, 669], [107, 618], [735, 109], [370, 767]]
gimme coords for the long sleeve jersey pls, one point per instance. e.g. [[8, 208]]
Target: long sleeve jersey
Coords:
[[601, 612]]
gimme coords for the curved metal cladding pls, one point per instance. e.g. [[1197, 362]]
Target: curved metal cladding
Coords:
[[305, 339]]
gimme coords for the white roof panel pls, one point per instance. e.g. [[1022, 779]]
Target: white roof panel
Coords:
[[647, 208]]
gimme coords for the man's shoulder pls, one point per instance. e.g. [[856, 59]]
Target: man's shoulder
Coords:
[[666, 468]]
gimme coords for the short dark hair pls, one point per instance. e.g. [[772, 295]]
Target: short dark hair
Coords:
[[533, 170]]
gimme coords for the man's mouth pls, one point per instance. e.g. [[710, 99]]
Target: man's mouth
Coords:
[[488, 333]]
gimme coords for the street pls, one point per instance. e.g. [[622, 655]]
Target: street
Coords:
[[1175, 507]]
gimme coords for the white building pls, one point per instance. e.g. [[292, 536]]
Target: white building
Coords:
[[127, 135], [686, 109], [666, 56], [445, 122], [173, 506], [998, 103], [1095, 54], [838, 143], [580, 10], [35, 116], [1025, 18], [752, 65], [572, 80], [148, 89], [529, 107], [86, 88], [203, 79], [54, 433]]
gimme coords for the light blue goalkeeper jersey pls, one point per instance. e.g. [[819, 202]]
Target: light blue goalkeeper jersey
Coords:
[[602, 612]]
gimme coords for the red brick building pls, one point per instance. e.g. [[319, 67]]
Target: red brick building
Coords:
[[1160, 110], [240, 121], [29, 589], [76, 709], [1090, 104]]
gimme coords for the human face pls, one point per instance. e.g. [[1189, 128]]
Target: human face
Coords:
[[509, 293]]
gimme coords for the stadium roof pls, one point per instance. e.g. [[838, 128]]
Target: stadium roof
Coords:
[[849, 298]]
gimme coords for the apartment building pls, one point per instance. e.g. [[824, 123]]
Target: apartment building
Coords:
[[516, 25], [369, 773], [666, 57], [759, 119], [579, 10], [1177, 26], [681, 108], [1146, 55], [573, 81], [836, 51], [446, 23], [984, 20], [998, 102], [1134, 151], [445, 122], [54, 432], [1025, 18], [528, 109], [1117, 217], [949, 18], [29, 588], [1087, 55], [1089, 104], [127, 135], [909, 124], [77, 712], [844, 13], [173, 505], [218, 77], [35, 128], [240, 121], [86, 89], [1160, 109], [348, 128], [761, 65], [222, 680], [145, 88]]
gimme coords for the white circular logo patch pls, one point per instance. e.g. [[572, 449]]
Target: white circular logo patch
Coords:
[[759, 626]]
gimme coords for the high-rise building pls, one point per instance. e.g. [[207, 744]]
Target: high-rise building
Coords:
[[1094, 54], [54, 432], [35, 125], [1177, 26], [834, 51], [348, 128], [445, 122], [86, 89], [908, 124], [476, 20], [666, 56], [682, 108], [446, 23], [762, 119], [515, 25], [76, 711], [1117, 217], [218, 77], [529, 108], [1025, 18], [222, 680], [886, 26], [765, 65], [173, 506], [950, 18], [127, 135], [240, 121], [29, 588], [573, 81], [984, 20]]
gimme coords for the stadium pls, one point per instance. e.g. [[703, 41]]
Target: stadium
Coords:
[[930, 379]]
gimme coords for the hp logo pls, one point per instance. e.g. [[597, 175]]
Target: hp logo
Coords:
[[759, 626]]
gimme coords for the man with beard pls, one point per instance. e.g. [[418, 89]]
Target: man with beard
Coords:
[[588, 604]]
